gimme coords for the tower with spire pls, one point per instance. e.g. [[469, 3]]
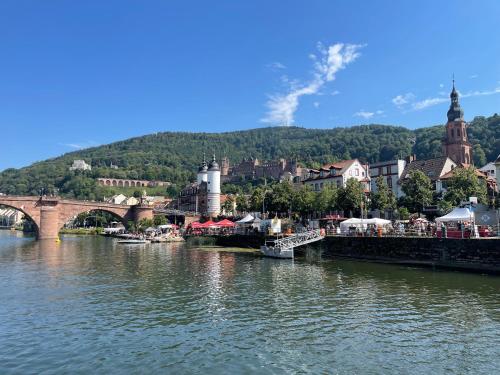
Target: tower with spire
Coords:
[[213, 188], [455, 143], [202, 172]]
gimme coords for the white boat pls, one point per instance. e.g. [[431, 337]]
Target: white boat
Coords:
[[276, 252], [133, 241]]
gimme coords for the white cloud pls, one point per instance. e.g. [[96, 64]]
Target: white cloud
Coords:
[[441, 85], [276, 65], [481, 93], [331, 59], [473, 76], [316, 104], [367, 115], [429, 102], [403, 99], [80, 145], [336, 92], [364, 114]]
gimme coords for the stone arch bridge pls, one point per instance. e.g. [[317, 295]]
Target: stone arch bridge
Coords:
[[50, 213]]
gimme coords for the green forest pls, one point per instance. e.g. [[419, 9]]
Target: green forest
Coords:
[[174, 156]]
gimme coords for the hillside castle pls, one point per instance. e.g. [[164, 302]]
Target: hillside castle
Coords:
[[250, 168]]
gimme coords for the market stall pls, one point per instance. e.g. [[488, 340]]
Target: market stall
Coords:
[[355, 226], [459, 223]]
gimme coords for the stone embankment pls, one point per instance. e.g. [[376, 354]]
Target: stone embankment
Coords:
[[472, 255]]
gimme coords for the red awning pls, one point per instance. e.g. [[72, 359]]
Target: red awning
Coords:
[[208, 224], [225, 223]]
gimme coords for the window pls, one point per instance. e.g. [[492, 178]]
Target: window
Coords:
[[321, 186], [388, 169], [333, 171], [338, 183], [458, 132], [452, 133], [380, 171], [389, 182], [356, 172], [350, 172]]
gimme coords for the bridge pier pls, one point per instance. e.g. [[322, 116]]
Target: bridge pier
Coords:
[[49, 223], [142, 212]]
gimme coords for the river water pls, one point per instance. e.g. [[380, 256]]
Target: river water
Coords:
[[89, 305]]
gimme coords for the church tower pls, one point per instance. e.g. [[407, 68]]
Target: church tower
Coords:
[[455, 143]]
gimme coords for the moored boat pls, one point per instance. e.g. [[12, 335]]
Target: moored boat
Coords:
[[133, 241]]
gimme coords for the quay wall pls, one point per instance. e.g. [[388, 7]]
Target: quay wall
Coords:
[[473, 255]]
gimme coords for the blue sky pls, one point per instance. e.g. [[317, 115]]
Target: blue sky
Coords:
[[78, 74]]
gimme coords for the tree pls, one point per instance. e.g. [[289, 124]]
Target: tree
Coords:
[[404, 214], [303, 200], [280, 199], [326, 199], [352, 196], [131, 226], [228, 205], [418, 191], [160, 220], [464, 184], [444, 206], [383, 198], [143, 224], [242, 203], [257, 198]]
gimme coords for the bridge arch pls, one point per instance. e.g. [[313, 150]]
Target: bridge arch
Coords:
[[70, 214], [32, 216]]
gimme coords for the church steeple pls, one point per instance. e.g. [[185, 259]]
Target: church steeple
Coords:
[[455, 143], [455, 112]]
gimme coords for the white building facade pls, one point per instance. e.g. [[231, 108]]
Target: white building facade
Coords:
[[490, 169], [337, 174], [80, 165], [10, 217], [391, 172]]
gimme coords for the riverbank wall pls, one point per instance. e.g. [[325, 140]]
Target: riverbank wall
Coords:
[[472, 255]]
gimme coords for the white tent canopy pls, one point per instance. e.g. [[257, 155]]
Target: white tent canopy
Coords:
[[362, 223], [246, 220], [458, 214]]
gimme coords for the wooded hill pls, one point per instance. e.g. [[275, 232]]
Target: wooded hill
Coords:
[[174, 156]]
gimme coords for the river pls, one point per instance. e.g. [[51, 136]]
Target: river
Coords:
[[89, 305]]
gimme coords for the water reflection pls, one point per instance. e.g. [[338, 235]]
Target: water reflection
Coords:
[[89, 304]]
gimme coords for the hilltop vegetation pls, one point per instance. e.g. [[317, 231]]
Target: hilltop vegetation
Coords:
[[174, 156]]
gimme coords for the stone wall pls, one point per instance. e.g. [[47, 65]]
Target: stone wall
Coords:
[[467, 254], [477, 255]]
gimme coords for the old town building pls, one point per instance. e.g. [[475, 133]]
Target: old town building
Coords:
[[336, 175]]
